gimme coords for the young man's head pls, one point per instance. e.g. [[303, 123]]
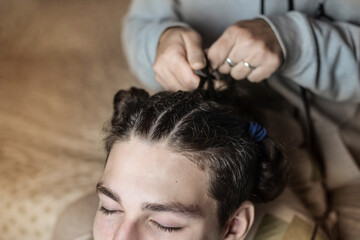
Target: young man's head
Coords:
[[181, 166]]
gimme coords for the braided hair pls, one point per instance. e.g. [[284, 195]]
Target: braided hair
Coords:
[[210, 132]]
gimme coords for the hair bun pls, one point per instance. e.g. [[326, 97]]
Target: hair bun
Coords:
[[273, 172], [124, 97], [127, 102]]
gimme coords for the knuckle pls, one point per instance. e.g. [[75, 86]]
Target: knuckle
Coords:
[[274, 62], [231, 32], [260, 45], [213, 55], [245, 34], [193, 35], [248, 35], [213, 59], [234, 29], [278, 59], [210, 54], [246, 40], [156, 67]]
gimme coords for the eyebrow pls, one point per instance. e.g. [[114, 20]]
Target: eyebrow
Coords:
[[191, 211], [100, 188]]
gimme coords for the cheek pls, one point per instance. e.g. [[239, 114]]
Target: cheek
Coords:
[[103, 229]]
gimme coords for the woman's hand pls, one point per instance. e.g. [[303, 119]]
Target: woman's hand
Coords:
[[179, 53], [251, 47]]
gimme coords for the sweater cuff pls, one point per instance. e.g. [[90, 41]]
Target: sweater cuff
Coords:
[[278, 37], [292, 31]]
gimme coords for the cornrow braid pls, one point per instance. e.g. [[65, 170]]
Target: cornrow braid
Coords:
[[210, 132]]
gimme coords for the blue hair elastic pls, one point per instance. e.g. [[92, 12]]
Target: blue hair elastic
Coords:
[[256, 131]]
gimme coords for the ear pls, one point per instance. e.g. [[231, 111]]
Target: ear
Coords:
[[240, 223]]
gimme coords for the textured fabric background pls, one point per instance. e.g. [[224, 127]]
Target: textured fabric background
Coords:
[[60, 65]]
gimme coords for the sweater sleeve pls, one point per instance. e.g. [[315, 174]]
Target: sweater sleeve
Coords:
[[142, 28], [320, 55]]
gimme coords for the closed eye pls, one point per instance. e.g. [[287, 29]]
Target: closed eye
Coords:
[[166, 229], [108, 212]]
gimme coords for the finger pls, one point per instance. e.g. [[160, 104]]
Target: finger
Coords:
[[175, 74], [235, 55], [185, 75], [219, 51], [179, 75], [259, 74], [267, 64], [240, 71], [167, 80], [225, 68], [194, 53], [176, 83]]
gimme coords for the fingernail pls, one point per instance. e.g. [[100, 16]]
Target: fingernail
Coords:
[[199, 65]]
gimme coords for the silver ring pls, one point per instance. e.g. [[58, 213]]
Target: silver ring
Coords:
[[231, 63], [246, 64]]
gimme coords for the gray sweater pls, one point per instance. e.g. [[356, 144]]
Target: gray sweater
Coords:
[[319, 55]]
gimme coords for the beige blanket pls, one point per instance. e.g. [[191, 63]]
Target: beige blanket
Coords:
[[60, 65]]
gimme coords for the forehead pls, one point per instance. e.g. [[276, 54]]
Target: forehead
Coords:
[[152, 173]]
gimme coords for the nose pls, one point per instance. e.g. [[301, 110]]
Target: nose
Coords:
[[127, 230]]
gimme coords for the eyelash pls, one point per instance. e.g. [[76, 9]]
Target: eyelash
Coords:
[[167, 229], [157, 225], [107, 212]]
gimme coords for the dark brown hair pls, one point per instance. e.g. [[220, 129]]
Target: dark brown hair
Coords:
[[210, 133]]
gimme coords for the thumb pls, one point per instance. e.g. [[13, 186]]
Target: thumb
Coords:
[[194, 53]]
